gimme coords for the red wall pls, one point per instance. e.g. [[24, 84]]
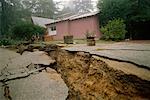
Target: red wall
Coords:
[[77, 28], [61, 30]]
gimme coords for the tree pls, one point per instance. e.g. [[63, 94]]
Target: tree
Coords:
[[6, 12], [114, 30], [110, 9], [21, 10], [82, 6], [65, 12], [133, 12], [25, 31], [43, 8], [75, 7]]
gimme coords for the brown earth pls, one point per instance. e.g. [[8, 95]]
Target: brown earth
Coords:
[[90, 77], [94, 78]]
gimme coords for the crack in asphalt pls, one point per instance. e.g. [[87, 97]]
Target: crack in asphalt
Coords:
[[8, 76]]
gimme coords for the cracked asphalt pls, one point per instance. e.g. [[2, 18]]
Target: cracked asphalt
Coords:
[[38, 86], [134, 52]]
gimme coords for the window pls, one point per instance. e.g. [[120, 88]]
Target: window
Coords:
[[53, 28]]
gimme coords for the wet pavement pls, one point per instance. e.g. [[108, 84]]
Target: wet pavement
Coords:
[[33, 85], [137, 53]]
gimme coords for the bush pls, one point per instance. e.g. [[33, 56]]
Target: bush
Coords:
[[6, 42], [114, 30], [25, 31]]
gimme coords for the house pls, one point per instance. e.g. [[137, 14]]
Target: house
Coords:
[[76, 25], [41, 21]]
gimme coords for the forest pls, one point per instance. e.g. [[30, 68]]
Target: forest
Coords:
[[135, 13]]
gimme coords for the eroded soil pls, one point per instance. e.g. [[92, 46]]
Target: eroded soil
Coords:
[[89, 78]]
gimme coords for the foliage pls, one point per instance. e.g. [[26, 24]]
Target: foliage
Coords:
[[114, 30], [5, 16], [132, 11], [77, 6], [25, 31], [43, 8], [21, 10], [129, 10], [82, 6], [110, 9], [6, 41]]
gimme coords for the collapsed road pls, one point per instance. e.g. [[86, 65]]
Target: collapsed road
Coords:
[[25, 77], [118, 71], [93, 73]]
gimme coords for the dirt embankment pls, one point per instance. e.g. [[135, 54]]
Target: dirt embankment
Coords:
[[89, 78]]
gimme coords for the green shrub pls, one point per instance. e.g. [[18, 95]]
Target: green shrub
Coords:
[[115, 30], [5, 42], [25, 31]]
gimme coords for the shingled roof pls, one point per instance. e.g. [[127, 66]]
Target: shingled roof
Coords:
[[41, 21], [74, 17]]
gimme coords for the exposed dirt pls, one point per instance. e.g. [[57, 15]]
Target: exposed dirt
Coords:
[[89, 78], [127, 68]]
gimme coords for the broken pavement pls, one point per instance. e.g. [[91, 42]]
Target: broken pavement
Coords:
[[21, 74]]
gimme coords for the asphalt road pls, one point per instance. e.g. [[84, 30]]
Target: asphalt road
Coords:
[[138, 53], [38, 86]]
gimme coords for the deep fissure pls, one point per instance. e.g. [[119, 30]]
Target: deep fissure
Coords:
[[90, 78]]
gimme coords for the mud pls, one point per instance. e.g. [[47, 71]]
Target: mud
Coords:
[[89, 78]]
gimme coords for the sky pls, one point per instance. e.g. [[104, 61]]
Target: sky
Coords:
[[61, 7], [61, 0], [69, 0]]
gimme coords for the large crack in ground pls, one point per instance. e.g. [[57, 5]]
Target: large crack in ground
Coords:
[[90, 78], [8, 75]]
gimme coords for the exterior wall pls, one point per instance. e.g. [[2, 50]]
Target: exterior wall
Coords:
[[50, 30], [62, 28], [47, 37], [77, 28]]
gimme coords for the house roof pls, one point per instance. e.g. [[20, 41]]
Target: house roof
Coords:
[[74, 17], [41, 21]]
